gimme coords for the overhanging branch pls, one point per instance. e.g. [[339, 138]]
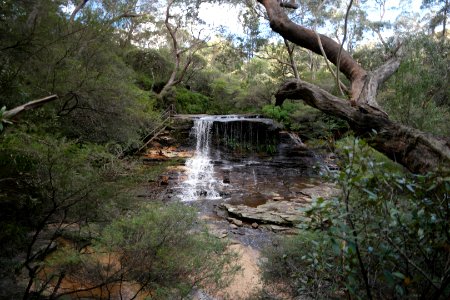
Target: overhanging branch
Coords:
[[10, 114], [418, 151]]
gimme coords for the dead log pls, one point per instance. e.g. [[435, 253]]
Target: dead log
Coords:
[[10, 114]]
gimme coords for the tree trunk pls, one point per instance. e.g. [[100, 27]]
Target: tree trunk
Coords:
[[307, 38], [10, 114], [180, 69], [290, 51], [77, 9], [417, 151]]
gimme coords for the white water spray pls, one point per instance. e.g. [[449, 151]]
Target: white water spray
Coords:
[[200, 182]]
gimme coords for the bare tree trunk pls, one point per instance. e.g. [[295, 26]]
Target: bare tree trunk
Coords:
[[77, 9], [178, 72], [444, 22], [176, 53], [290, 50], [417, 151]]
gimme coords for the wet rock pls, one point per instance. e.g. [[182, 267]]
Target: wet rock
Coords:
[[281, 212], [235, 221], [276, 228], [226, 176]]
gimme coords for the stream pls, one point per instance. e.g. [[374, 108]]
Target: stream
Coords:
[[246, 176]]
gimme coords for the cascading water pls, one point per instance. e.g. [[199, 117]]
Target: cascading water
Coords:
[[222, 132], [200, 181]]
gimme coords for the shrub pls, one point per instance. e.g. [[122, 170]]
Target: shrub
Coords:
[[386, 236], [164, 249], [50, 187], [191, 102]]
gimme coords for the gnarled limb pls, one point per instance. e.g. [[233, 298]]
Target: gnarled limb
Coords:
[[306, 38], [375, 79], [416, 150]]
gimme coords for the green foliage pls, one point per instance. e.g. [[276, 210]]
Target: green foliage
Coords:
[[278, 113], [418, 94], [225, 89], [154, 65], [163, 248], [385, 237], [189, 102], [311, 123], [52, 187], [44, 55], [2, 111], [303, 264]]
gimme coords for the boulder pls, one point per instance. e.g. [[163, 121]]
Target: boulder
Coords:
[[280, 211], [273, 212]]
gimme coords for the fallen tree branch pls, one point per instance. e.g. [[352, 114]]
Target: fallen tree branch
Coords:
[[10, 114], [419, 152]]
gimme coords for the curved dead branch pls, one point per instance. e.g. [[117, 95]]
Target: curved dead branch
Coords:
[[416, 150]]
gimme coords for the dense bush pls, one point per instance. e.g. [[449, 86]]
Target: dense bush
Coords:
[[386, 236], [50, 187], [188, 102]]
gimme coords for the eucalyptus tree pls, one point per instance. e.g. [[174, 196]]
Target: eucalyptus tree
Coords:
[[441, 15], [416, 150], [185, 38]]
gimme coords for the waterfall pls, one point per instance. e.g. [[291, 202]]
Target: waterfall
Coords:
[[200, 182], [227, 131]]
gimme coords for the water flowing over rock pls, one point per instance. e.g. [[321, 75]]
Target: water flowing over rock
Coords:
[[201, 181], [215, 138]]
